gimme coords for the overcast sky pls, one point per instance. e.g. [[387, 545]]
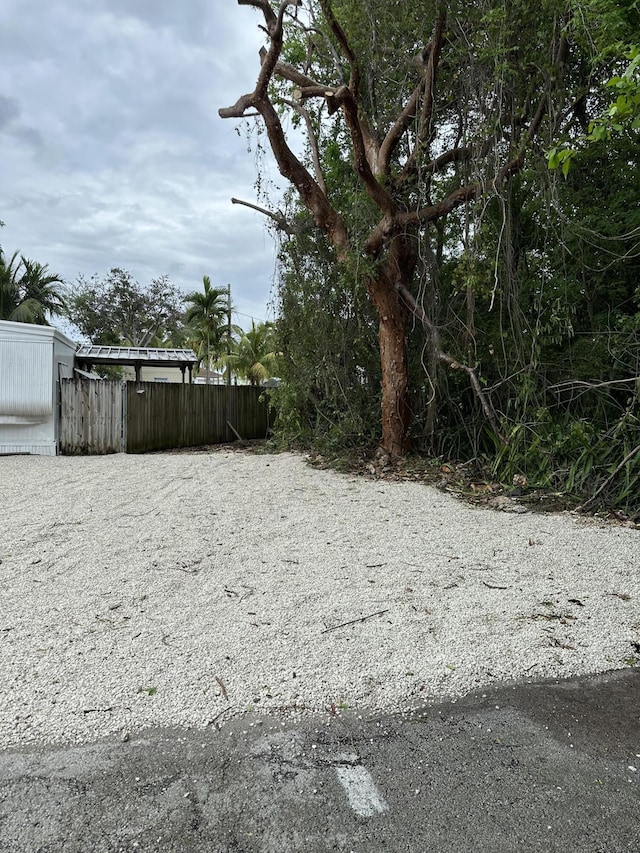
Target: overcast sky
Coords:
[[111, 149]]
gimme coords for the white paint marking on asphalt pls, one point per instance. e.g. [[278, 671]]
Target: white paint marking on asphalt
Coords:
[[363, 795]]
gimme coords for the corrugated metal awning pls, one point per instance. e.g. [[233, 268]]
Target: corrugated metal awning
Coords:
[[135, 356]]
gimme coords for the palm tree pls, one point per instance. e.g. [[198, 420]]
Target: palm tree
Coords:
[[28, 292], [41, 295], [254, 354], [9, 291], [207, 316]]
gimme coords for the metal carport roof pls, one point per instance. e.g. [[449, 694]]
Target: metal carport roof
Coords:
[[88, 355]]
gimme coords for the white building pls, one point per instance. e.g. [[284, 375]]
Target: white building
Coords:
[[33, 359]]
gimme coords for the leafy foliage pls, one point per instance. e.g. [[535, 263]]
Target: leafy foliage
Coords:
[[609, 104], [117, 310], [253, 353], [206, 321], [330, 393], [519, 286], [29, 293]]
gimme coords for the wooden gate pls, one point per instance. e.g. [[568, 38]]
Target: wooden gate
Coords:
[[91, 416]]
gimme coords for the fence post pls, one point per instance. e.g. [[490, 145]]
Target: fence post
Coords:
[[123, 416]]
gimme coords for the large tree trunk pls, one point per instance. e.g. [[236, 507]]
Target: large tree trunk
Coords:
[[395, 171], [392, 333]]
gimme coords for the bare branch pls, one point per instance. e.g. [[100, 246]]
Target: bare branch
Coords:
[[426, 113], [290, 72], [355, 621], [395, 132], [363, 149], [460, 155], [273, 21], [364, 143], [436, 342], [238, 110], [265, 8], [275, 31], [308, 88], [313, 142], [336, 29], [310, 192], [361, 138], [289, 165], [277, 215], [430, 76]]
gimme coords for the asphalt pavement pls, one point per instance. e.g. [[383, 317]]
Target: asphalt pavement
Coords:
[[551, 766]]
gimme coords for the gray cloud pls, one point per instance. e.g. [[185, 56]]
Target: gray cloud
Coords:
[[111, 149], [9, 110]]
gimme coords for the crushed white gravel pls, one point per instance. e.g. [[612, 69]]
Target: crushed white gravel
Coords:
[[181, 589]]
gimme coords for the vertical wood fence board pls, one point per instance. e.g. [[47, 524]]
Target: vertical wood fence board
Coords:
[[160, 417], [107, 417], [91, 416]]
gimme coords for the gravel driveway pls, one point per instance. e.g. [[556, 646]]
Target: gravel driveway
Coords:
[[183, 589]]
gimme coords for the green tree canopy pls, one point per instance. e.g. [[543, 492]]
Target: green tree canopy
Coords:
[[423, 223], [413, 112], [117, 310], [254, 353], [29, 293], [207, 320], [608, 95]]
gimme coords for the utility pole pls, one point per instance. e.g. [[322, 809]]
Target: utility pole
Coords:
[[228, 333]]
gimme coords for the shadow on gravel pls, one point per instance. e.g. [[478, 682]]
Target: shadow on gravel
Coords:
[[536, 767]]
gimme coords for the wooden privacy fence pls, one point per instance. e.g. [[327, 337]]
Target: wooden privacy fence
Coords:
[[156, 416], [91, 416], [161, 416]]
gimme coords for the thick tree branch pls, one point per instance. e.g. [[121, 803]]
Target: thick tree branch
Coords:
[[273, 21], [394, 134], [341, 38], [290, 72], [362, 150], [459, 155], [238, 110], [364, 142], [278, 217], [430, 77], [289, 165], [306, 87], [393, 224], [310, 192], [275, 30], [424, 130], [265, 8], [363, 146]]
